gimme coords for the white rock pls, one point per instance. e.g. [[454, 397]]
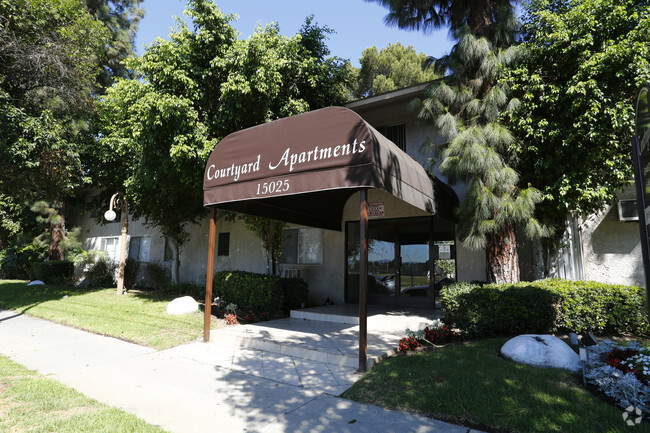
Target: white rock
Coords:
[[35, 283], [541, 351], [183, 305]]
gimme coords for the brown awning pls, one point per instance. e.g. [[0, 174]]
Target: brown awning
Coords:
[[303, 169]]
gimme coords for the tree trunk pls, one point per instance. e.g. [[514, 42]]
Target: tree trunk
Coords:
[[502, 257], [173, 245], [57, 233]]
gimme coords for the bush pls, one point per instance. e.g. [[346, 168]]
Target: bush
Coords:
[[197, 291], [102, 273], [53, 272], [16, 261], [255, 293], [498, 309], [544, 306], [157, 276], [295, 293], [131, 271], [587, 306]]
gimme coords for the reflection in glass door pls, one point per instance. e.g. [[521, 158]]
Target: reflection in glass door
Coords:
[[415, 272], [403, 257]]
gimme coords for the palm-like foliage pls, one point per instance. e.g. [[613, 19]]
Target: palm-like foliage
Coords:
[[467, 107], [482, 17]]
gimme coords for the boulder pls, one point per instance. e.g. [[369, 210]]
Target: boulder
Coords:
[[35, 283], [183, 305], [541, 351]]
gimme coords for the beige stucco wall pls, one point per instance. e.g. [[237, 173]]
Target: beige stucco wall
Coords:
[[612, 248], [246, 253]]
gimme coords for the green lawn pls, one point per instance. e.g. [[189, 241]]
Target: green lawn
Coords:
[[136, 317], [469, 384], [32, 403]]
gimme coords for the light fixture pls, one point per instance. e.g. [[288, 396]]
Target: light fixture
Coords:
[[110, 215], [118, 201]]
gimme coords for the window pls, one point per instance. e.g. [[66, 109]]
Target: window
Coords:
[[139, 248], [223, 244], [112, 247], [302, 246], [395, 133]]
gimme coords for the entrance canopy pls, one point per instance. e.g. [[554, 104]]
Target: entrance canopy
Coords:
[[303, 169]]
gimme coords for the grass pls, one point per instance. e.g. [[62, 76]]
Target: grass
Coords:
[[31, 402], [469, 384], [136, 317]]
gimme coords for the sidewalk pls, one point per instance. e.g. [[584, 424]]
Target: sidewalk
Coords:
[[201, 387]]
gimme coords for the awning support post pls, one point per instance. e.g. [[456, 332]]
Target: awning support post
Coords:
[[210, 275], [363, 281]]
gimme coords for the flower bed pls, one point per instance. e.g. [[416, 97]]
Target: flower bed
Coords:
[[621, 372], [434, 334]]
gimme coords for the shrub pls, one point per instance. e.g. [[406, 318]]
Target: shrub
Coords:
[[157, 276], [53, 272], [544, 306], [257, 293], [197, 291], [131, 271], [587, 306], [102, 273], [295, 293], [16, 261]]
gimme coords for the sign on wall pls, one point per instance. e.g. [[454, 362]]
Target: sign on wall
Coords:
[[375, 209]]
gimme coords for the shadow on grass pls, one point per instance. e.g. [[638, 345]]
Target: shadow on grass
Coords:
[[18, 296]]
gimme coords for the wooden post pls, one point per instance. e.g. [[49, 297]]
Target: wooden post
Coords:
[[363, 281], [432, 264], [210, 275]]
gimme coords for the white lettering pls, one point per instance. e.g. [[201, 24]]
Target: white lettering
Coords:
[[362, 146], [210, 177], [336, 151], [285, 158]]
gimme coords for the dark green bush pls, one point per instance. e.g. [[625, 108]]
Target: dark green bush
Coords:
[[131, 271], [102, 273], [498, 309], [157, 276], [295, 293], [197, 291], [16, 261], [258, 293], [544, 306], [587, 306], [53, 272]]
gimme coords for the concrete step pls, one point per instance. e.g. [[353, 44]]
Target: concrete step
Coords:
[[331, 343]]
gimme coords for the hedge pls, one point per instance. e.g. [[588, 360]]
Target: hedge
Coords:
[[53, 272], [259, 293], [544, 306]]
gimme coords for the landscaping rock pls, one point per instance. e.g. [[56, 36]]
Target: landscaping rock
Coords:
[[35, 283], [541, 351], [183, 305]]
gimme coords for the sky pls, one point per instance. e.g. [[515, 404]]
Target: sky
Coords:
[[358, 24]]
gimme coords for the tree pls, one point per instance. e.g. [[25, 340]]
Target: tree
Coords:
[[159, 129], [270, 233], [49, 53], [466, 108], [585, 60], [483, 18], [121, 18], [394, 67]]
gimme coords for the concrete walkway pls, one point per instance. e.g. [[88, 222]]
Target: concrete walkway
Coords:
[[201, 387]]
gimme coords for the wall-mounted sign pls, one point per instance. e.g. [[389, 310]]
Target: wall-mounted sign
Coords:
[[444, 251], [375, 209]]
